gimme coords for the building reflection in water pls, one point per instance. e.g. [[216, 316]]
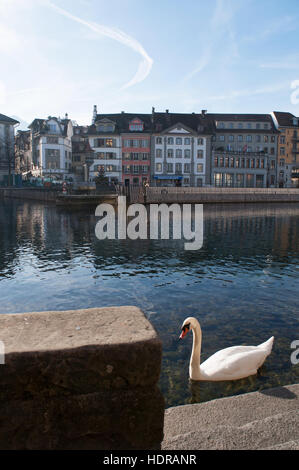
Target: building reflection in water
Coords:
[[242, 284]]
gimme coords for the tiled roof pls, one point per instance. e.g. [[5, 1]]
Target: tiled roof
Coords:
[[7, 119]]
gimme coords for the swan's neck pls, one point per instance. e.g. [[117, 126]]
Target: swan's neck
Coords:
[[195, 355]]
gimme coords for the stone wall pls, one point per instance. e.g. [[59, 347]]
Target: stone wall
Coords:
[[38, 194], [82, 379], [219, 195]]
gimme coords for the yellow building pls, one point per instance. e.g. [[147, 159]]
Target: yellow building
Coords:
[[288, 149]]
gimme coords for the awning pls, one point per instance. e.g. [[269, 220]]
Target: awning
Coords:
[[168, 177]]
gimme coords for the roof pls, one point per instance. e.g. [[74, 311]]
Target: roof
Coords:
[[122, 121], [156, 122], [234, 117], [8, 120], [198, 123], [41, 125], [285, 119]]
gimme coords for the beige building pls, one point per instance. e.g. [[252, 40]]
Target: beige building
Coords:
[[288, 148]]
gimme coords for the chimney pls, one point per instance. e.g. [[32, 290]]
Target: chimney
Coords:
[[167, 116], [203, 112], [153, 114], [94, 114], [295, 121], [66, 116]]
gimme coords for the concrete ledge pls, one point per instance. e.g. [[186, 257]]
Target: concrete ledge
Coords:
[[80, 379], [258, 420]]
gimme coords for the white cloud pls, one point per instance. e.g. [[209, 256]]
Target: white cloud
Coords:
[[144, 66]]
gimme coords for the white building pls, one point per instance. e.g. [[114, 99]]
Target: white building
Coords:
[[180, 154], [52, 146], [7, 136], [105, 140]]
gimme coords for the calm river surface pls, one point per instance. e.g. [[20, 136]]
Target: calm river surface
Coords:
[[243, 285]]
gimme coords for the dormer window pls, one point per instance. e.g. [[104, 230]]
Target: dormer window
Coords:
[[105, 125], [52, 127], [136, 125]]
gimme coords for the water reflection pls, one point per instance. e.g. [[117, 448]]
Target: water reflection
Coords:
[[242, 285]]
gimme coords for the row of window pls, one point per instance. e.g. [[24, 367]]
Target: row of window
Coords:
[[105, 142], [179, 140], [141, 143], [106, 168], [242, 125], [178, 153], [237, 162], [240, 180], [137, 169], [232, 162], [136, 156], [247, 138], [247, 148], [106, 156], [169, 167]]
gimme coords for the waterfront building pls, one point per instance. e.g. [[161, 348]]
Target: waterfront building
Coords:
[[181, 145], [105, 140], [244, 150], [7, 152], [23, 154], [51, 146], [136, 148], [82, 154], [288, 148]]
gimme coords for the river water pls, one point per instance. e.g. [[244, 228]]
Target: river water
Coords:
[[243, 285]]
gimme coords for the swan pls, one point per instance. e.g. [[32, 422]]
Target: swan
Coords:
[[231, 363]]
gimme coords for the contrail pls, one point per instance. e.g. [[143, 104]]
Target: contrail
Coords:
[[145, 65]]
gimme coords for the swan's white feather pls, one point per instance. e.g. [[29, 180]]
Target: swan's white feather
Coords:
[[231, 363]]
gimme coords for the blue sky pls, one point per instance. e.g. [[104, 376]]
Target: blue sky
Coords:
[[61, 56]]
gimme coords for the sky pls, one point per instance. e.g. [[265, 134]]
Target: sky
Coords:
[[64, 56]]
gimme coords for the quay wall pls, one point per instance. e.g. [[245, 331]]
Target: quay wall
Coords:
[[80, 379], [169, 195], [37, 194], [219, 195]]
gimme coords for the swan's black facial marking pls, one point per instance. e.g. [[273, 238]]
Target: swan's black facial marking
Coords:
[[186, 327]]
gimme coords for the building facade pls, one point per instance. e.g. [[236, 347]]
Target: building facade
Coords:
[[244, 151], [181, 146], [288, 149], [82, 154], [105, 140], [51, 146], [7, 150], [23, 153], [136, 148]]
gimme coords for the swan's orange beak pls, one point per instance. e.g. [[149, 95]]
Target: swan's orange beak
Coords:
[[184, 332]]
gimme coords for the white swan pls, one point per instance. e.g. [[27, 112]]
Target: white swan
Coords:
[[232, 363]]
